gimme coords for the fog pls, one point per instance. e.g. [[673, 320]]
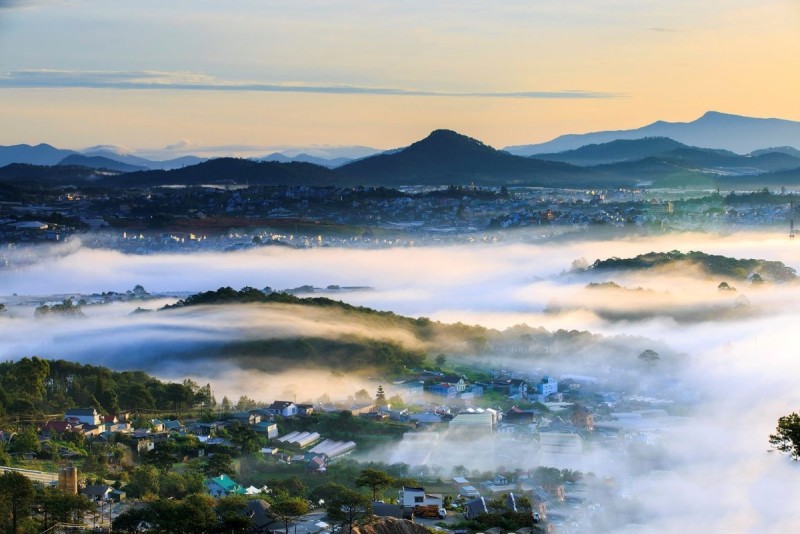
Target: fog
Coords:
[[737, 368]]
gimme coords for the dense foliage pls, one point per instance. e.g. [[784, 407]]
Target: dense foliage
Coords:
[[35, 386]]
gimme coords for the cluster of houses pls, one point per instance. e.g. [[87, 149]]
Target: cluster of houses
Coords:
[[440, 385], [309, 448]]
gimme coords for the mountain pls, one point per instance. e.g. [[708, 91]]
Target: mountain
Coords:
[[231, 171], [777, 150], [331, 163], [41, 154], [614, 151], [712, 130], [118, 154], [446, 157], [99, 162]]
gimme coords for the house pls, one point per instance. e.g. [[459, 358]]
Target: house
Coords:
[[87, 416], [266, 428], [410, 497], [546, 387], [305, 410], [246, 418], [284, 408], [97, 493], [157, 425], [258, 511], [173, 426], [59, 427], [456, 381], [443, 389], [474, 508], [222, 486]]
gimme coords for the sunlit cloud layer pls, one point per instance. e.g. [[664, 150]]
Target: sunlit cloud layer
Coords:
[[188, 81], [739, 370]]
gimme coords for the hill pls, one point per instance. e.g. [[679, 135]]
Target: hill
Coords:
[[22, 174], [446, 157], [713, 130], [41, 154], [98, 162], [232, 171], [737, 269]]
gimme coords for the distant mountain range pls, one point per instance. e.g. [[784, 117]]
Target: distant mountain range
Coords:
[[306, 158], [95, 157], [677, 154], [713, 130], [442, 158]]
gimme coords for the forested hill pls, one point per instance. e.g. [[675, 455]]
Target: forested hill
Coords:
[[738, 269], [35, 386], [423, 327]]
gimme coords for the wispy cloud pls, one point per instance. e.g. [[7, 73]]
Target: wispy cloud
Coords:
[[192, 81]]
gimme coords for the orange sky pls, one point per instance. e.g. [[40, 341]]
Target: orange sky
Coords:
[[641, 61]]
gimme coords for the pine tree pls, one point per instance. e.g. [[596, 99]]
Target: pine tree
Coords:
[[380, 397]]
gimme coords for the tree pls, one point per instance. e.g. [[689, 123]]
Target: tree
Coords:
[[787, 435], [362, 395], [725, 286], [244, 437], [375, 480], [229, 511], [145, 481], [162, 457], [441, 359], [16, 495], [226, 404], [380, 397], [219, 464], [289, 509], [26, 441], [62, 507], [349, 508], [649, 357]]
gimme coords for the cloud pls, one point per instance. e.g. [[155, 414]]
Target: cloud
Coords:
[[705, 470], [183, 143], [191, 81]]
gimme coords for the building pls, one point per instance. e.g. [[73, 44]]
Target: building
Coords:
[[86, 416], [222, 486], [267, 428], [97, 492], [546, 387], [68, 479], [409, 498], [283, 408]]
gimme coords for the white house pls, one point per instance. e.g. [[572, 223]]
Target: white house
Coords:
[[87, 416], [409, 497], [284, 408]]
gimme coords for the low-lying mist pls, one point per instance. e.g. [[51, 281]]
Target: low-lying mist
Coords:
[[730, 356]]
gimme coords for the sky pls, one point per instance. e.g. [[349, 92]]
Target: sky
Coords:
[[242, 76]]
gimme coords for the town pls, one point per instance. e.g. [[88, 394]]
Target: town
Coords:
[[188, 219], [288, 464]]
